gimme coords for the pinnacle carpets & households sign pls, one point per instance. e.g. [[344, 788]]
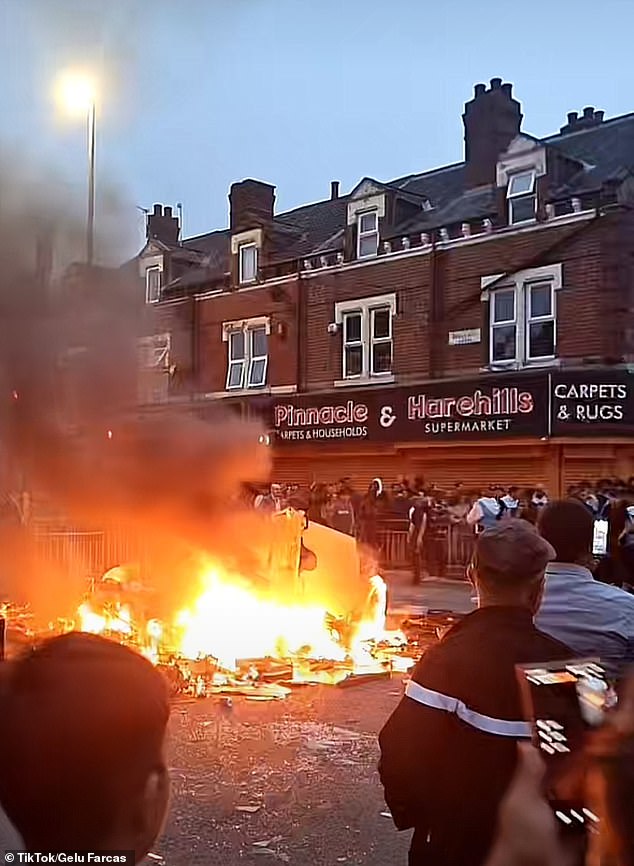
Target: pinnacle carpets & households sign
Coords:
[[596, 403], [487, 408]]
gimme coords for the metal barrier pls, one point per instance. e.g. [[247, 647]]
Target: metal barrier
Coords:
[[394, 547], [88, 554]]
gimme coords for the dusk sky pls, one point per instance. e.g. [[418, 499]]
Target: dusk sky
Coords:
[[196, 94]]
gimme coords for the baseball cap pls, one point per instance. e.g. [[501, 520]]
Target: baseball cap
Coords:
[[514, 548]]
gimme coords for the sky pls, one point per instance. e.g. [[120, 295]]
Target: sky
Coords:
[[197, 94]]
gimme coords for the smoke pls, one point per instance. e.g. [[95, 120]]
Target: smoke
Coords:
[[69, 426]]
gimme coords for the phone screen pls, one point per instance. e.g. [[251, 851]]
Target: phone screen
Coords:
[[600, 537], [563, 701]]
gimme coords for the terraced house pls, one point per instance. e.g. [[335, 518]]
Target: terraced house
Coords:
[[419, 324]]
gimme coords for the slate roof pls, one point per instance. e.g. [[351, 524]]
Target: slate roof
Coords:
[[605, 150]]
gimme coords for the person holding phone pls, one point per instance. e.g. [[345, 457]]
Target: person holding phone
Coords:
[[592, 618]]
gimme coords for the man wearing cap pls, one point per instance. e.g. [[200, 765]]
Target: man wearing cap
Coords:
[[449, 749]]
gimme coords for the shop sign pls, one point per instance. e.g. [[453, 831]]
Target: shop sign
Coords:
[[593, 403], [487, 408]]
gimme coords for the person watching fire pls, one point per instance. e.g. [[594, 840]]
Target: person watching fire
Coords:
[[82, 729], [449, 750]]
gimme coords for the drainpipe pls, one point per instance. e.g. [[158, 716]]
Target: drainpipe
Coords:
[[435, 317]]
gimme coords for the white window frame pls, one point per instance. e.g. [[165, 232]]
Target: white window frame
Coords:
[[242, 279], [530, 319], [352, 344], [530, 193], [153, 269], [521, 284], [247, 327], [514, 322], [240, 363], [366, 308], [361, 235], [253, 358]]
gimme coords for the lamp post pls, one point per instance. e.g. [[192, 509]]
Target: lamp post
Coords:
[[77, 93]]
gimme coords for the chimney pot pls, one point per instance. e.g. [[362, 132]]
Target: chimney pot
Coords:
[[167, 211], [496, 83], [334, 189], [598, 116], [158, 210], [588, 112], [572, 117], [508, 89], [479, 89]]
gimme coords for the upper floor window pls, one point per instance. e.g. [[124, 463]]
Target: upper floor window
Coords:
[[523, 325], [247, 361], [367, 336], [248, 263], [522, 197], [367, 233], [153, 279]]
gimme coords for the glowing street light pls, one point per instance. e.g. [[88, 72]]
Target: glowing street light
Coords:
[[77, 94]]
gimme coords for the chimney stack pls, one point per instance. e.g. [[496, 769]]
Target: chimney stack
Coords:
[[163, 226], [251, 204], [588, 119], [334, 189], [491, 120]]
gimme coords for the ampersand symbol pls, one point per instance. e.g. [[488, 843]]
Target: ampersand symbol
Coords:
[[387, 416], [563, 414]]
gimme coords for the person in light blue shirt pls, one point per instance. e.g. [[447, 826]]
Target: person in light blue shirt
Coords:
[[592, 618]]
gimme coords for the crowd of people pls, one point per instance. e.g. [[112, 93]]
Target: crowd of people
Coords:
[[442, 524], [449, 752], [82, 770]]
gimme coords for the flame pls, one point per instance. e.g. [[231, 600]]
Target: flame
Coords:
[[229, 621], [232, 620], [115, 618]]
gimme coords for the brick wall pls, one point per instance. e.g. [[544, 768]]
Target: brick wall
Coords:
[[279, 303], [437, 292]]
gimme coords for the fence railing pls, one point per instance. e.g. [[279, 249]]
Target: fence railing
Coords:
[[395, 550], [90, 554]]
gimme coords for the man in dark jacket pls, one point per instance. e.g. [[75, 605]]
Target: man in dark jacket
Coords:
[[449, 749]]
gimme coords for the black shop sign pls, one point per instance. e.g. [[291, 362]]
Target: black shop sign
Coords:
[[593, 403], [490, 408]]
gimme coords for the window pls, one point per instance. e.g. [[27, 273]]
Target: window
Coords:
[[153, 284], [154, 368], [367, 234], [247, 356], [367, 336], [503, 326], [248, 255], [523, 323], [540, 317], [522, 197]]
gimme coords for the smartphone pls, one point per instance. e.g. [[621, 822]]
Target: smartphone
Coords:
[[563, 701], [600, 537]]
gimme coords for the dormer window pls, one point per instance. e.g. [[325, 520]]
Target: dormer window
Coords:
[[248, 263], [153, 284], [522, 197], [367, 234]]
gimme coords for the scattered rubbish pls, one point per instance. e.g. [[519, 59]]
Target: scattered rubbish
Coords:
[[386, 814], [249, 809], [156, 857], [263, 851], [266, 843]]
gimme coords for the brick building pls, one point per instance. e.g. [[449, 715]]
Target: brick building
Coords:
[[473, 322]]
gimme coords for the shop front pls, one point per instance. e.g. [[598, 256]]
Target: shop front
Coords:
[[516, 428]]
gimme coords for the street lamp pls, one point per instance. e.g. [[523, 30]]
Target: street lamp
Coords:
[[77, 93]]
